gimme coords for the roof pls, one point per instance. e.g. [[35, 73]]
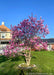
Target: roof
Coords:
[[4, 28], [50, 41]]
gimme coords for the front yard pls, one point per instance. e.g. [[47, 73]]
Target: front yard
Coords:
[[44, 61]]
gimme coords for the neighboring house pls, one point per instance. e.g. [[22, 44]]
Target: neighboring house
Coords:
[[4, 32], [50, 43], [5, 36]]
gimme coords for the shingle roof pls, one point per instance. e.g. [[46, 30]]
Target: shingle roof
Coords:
[[4, 28], [50, 41]]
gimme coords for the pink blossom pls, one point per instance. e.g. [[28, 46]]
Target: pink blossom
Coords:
[[29, 48], [22, 44], [17, 49], [43, 36], [10, 52], [31, 40], [25, 48], [35, 38], [5, 54], [14, 51], [24, 54], [13, 55]]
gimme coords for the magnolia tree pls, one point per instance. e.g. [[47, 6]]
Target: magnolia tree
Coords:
[[27, 36]]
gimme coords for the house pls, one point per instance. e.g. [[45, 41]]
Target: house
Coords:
[[5, 36], [50, 43]]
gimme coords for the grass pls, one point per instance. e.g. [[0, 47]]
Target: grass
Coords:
[[44, 61]]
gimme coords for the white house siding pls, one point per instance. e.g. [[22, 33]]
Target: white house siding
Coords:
[[2, 46], [49, 47]]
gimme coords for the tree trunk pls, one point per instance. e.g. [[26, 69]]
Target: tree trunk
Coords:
[[28, 57]]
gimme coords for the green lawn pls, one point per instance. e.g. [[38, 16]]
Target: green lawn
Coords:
[[44, 61]]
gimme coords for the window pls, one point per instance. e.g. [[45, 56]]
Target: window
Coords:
[[3, 35]]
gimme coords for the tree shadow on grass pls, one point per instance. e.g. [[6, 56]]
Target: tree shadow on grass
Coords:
[[3, 58], [18, 58], [33, 57]]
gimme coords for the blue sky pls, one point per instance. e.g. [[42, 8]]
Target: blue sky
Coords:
[[14, 11]]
